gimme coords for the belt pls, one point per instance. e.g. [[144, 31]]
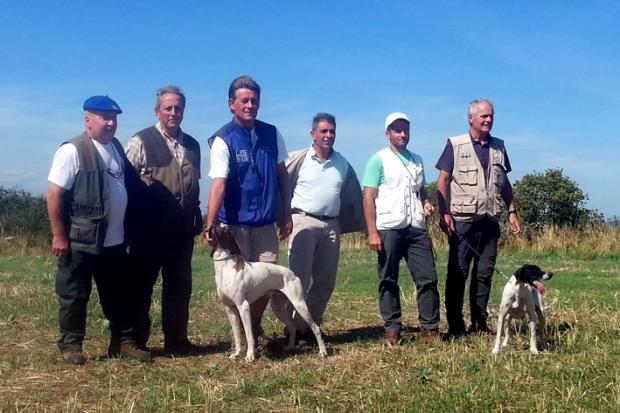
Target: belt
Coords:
[[308, 214]]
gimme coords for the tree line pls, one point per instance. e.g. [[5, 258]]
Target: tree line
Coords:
[[544, 199]]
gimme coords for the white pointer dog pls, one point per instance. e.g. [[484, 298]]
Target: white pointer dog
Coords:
[[240, 283], [523, 294]]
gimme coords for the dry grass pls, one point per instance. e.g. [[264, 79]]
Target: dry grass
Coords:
[[578, 372]]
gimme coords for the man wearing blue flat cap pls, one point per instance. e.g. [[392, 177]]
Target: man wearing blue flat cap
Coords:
[[92, 201]]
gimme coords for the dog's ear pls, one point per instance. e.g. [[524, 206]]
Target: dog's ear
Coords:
[[234, 248], [518, 273]]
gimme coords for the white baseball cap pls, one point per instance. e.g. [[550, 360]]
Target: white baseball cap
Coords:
[[392, 117]]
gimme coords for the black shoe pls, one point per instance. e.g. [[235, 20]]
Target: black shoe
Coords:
[[454, 334], [180, 348], [482, 330], [114, 348]]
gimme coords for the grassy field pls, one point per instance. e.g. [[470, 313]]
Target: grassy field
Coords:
[[579, 372]]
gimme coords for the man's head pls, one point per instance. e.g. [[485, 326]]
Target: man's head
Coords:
[[480, 117], [397, 130], [244, 100], [169, 108], [323, 132], [100, 118]]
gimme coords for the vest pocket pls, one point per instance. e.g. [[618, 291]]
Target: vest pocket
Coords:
[[499, 175], [468, 175], [464, 206], [86, 231]]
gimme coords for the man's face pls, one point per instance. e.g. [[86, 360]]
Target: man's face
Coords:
[[481, 121], [245, 107], [170, 112], [398, 134], [101, 126], [324, 135]]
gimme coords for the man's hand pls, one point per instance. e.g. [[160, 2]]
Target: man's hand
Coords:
[[429, 209], [285, 227], [446, 223], [210, 241], [60, 246], [515, 223], [374, 241]]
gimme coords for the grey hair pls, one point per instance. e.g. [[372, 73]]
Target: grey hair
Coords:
[[323, 116], [164, 90], [243, 82], [473, 105]]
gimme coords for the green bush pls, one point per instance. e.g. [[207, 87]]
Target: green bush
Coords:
[[551, 199], [22, 213]]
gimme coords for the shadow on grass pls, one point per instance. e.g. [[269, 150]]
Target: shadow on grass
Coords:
[[197, 350], [553, 333]]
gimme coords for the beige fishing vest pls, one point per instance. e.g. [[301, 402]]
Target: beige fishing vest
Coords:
[[471, 198]]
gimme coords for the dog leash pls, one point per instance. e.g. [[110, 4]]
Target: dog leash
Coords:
[[430, 239], [463, 240]]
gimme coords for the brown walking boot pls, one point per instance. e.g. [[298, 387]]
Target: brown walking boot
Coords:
[[427, 337], [75, 357], [392, 337], [131, 351]]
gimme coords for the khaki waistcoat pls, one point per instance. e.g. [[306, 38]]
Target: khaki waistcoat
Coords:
[[472, 197]]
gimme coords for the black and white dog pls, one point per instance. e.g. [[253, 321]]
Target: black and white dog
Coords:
[[523, 294]]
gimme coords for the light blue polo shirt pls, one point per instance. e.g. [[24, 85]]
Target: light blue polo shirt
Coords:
[[319, 183]]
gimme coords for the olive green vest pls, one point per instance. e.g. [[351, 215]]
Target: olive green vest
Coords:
[[473, 197], [173, 189], [86, 204]]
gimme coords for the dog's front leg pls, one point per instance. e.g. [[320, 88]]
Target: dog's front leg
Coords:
[[542, 340], [235, 323], [507, 329], [244, 312], [498, 335], [533, 318]]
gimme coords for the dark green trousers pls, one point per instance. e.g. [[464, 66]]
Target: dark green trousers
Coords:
[[74, 285]]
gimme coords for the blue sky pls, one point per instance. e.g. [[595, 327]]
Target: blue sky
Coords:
[[551, 67]]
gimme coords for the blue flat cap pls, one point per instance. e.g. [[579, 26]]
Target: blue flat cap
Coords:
[[101, 103]]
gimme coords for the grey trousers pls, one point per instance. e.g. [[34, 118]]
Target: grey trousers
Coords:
[[314, 250], [414, 245]]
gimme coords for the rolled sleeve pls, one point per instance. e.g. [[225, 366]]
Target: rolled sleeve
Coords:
[[135, 153]]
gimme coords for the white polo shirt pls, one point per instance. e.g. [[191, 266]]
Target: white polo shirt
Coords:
[[319, 184]]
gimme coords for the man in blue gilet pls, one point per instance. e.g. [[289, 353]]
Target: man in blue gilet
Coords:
[[250, 189]]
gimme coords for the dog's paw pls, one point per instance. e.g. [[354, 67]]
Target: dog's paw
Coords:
[[250, 358], [495, 350]]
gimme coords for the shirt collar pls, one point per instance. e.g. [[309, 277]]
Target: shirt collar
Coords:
[[179, 136], [312, 154], [477, 142]]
